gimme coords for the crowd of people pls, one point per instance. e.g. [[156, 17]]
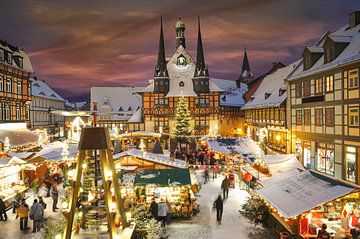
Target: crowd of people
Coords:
[[35, 213]]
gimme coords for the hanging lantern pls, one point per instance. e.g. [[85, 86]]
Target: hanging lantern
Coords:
[[247, 177], [117, 220]]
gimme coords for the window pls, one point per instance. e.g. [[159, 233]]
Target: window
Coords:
[[202, 101], [318, 86], [350, 161], [329, 83], [307, 117], [267, 95], [2, 55], [306, 88], [353, 79], [161, 102], [353, 116], [18, 115], [298, 117], [2, 113], [19, 87], [7, 112], [325, 158], [329, 116], [318, 117], [181, 84], [9, 59], [27, 112], [1, 84], [298, 90], [8, 85]]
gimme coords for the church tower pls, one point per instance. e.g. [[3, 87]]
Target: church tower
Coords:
[[180, 33], [161, 76], [201, 75], [245, 76]]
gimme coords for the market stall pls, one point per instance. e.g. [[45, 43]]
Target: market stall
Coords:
[[12, 177], [144, 140], [171, 185], [309, 199]]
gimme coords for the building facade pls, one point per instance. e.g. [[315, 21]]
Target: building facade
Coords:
[[15, 87], [44, 101], [324, 103], [265, 115], [214, 104]]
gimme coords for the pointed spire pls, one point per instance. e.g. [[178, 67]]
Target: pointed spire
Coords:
[[245, 65], [160, 69], [201, 69], [246, 76]]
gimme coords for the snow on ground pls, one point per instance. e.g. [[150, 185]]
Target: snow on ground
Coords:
[[204, 225]]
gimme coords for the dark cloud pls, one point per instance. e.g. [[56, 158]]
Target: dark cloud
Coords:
[[77, 44]]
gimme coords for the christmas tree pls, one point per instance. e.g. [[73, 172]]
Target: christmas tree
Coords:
[[182, 118]]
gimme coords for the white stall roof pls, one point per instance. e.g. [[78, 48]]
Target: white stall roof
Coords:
[[155, 158], [58, 151], [292, 196]]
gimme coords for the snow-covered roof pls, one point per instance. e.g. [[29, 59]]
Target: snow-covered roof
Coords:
[[137, 117], [245, 147], [75, 105], [17, 52], [40, 89], [271, 86], [301, 192], [350, 54], [57, 151], [179, 73], [123, 102], [315, 49], [155, 158]]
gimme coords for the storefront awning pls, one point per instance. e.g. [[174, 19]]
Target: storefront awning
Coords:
[[18, 137], [163, 177], [302, 191]]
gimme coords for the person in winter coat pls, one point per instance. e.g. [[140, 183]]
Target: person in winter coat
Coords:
[[41, 201], [162, 212], [154, 208], [323, 234], [22, 211], [36, 214], [225, 187], [16, 202], [218, 204], [3, 216], [54, 196]]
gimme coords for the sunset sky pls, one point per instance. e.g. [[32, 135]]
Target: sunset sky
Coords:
[[74, 45]]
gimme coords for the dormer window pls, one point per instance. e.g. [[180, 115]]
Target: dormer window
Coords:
[[2, 55], [181, 84], [9, 58], [267, 95], [181, 61], [282, 91], [129, 108]]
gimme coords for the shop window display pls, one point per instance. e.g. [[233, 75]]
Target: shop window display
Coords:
[[350, 158], [325, 158]]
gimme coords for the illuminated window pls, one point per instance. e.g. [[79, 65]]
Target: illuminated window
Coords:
[[1, 84], [307, 117], [318, 86], [353, 79], [298, 117], [329, 83], [353, 116], [325, 158], [318, 117], [350, 160]]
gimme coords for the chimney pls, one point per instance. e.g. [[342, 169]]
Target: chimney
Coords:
[[354, 19]]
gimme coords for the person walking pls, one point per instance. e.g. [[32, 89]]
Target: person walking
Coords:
[[154, 208], [3, 216], [218, 204], [162, 212], [54, 196], [225, 187], [36, 214], [22, 211]]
